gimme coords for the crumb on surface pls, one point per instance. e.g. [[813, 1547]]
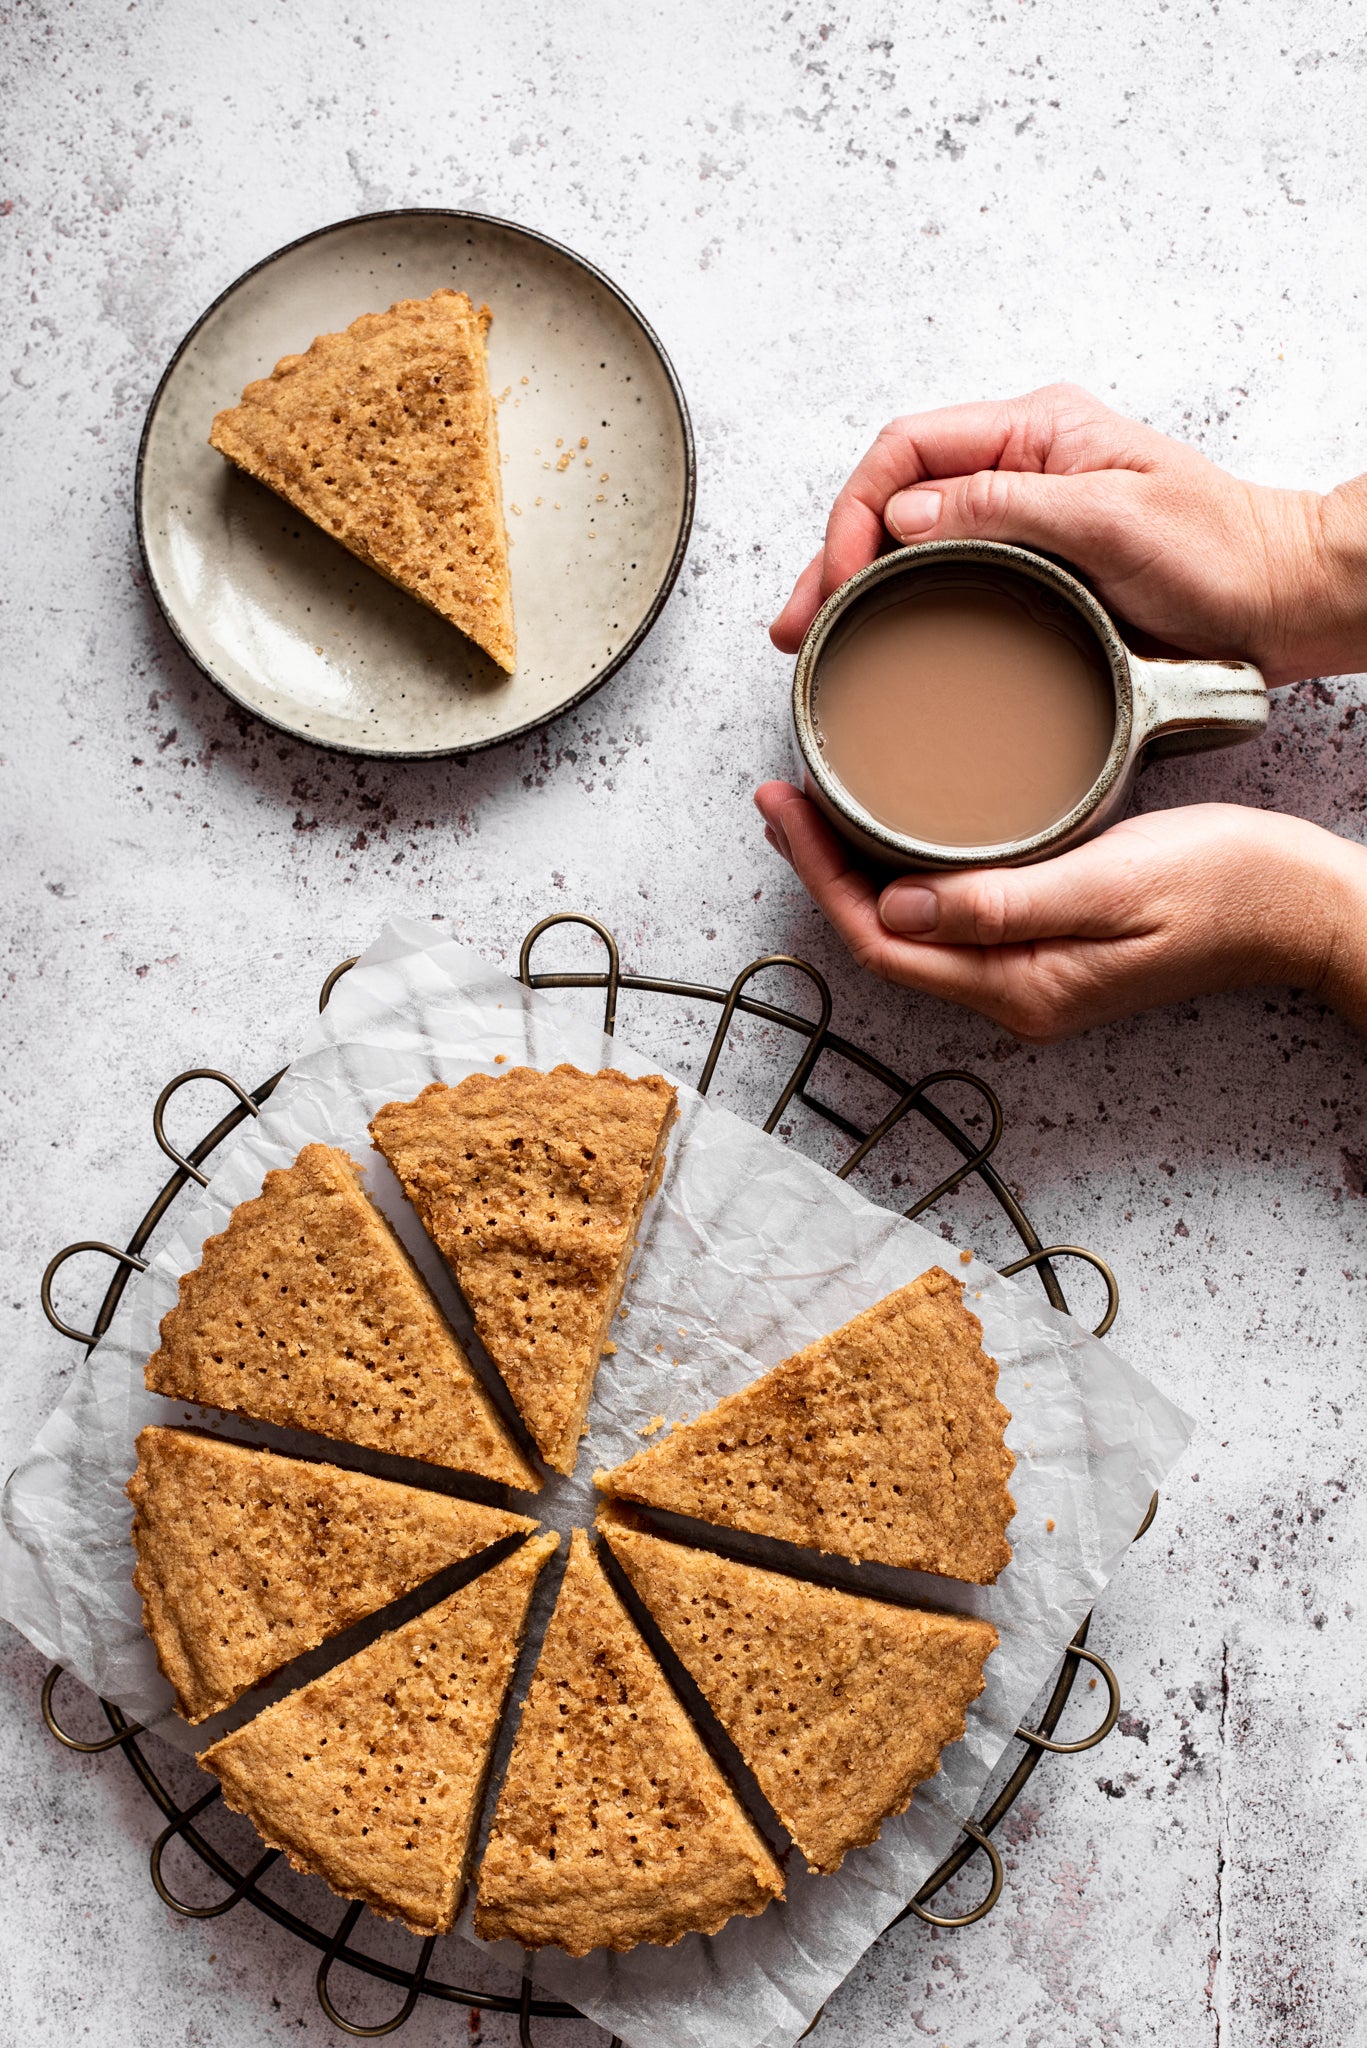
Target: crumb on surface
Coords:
[[608, 1349], [1049, 1525], [649, 1428], [965, 1258]]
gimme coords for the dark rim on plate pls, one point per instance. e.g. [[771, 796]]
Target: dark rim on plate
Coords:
[[975, 1156], [657, 603]]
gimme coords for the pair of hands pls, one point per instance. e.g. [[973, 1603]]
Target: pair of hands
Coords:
[[1163, 906]]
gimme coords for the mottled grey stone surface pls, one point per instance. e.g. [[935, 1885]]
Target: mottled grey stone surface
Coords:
[[830, 217]]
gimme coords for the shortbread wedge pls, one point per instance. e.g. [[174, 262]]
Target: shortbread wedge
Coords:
[[247, 1559], [307, 1311], [614, 1826], [839, 1704], [371, 1777], [532, 1186], [885, 1440], [386, 437]]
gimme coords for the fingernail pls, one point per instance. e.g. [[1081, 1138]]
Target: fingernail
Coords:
[[905, 908], [779, 842], [912, 512]]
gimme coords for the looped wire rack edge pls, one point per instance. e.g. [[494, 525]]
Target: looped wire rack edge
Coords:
[[817, 1042]]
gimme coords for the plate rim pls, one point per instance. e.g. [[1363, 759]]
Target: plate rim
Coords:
[[602, 675]]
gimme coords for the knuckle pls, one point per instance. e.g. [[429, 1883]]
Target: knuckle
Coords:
[[1064, 392], [1037, 1019], [869, 953], [985, 500], [1057, 414], [1037, 1004], [1128, 892], [1041, 1029], [987, 911]]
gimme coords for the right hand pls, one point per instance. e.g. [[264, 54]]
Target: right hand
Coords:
[[1162, 907], [1197, 559]]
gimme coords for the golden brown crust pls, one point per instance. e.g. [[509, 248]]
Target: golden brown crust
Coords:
[[839, 1704], [307, 1311], [371, 1777], [386, 437], [614, 1825], [532, 1186], [247, 1559], [884, 1440]]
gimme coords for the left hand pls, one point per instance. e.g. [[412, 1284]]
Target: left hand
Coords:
[[1161, 907]]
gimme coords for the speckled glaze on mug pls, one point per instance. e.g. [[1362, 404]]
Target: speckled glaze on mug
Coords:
[[1161, 708], [298, 630]]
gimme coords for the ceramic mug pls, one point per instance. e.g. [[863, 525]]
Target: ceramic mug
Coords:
[[1161, 708]]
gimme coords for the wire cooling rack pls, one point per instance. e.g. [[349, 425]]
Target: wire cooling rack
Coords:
[[820, 1052]]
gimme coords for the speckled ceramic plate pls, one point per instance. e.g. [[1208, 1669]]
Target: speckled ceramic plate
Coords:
[[294, 627]]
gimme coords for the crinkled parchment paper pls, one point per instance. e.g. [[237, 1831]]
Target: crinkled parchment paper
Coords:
[[749, 1252]]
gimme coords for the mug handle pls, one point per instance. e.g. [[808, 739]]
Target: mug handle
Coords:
[[1190, 707]]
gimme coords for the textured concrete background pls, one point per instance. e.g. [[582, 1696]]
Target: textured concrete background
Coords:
[[830, 216]]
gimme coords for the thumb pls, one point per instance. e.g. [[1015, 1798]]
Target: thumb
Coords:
[[1092, 892], [1084, 518]]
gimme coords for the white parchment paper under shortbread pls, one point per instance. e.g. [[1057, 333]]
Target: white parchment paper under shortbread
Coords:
[[749, 1252]]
